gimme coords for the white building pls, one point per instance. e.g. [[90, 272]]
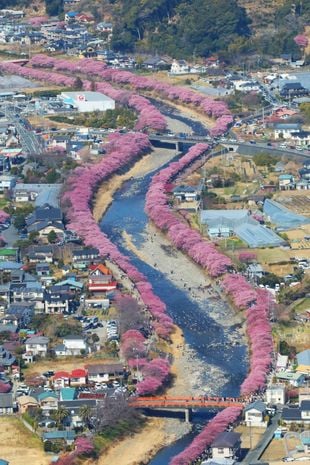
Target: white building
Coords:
[[275, 394], [285, 130], [255, 413], [226, 445], [179, 67], [74, 344], [37, 345], [85, 101], [7, 182]]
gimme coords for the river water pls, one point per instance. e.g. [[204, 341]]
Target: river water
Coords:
[[223, 364]]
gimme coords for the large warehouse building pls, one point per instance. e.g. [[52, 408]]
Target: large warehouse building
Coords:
[[88, 101]]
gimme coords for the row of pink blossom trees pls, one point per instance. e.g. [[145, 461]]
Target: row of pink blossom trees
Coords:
[[182, 236], [218, 424], [148, 115], [213, 108], [121, 150], [254, 301]]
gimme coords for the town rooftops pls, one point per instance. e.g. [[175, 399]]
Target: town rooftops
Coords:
[[38, 340], [257, 405], [104, 368], [67, 394], [287, 126], [226, 439], [67, 435], [6, 400]]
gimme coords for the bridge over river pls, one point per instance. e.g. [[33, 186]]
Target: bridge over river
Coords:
[[185, 403]]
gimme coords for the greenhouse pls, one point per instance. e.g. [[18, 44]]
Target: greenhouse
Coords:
[[282, 217]]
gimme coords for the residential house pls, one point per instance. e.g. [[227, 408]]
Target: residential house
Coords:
[[155, 63], [74, 407], [186, 193], [78, 377], [61, 379], [57, 302], [104, 372], [285, 130], [82, 258], [293, 89], [286, 182], [104, 26], [58, 436], [9, 254], [303, 184], [276, 394], [26, 402], [71, 345], [7, 360], [37, 345], [303, 361], [179, 67], [100, 279], [71, 15], [303, 394], [6, 404], [255, 414], [255, 271], [44, 220], [7, 182], [22, 311], [43, 269], [301, 138], [300, 414], [288, 377], [30, 292], [41, 253], [48, 401], [226, 445]]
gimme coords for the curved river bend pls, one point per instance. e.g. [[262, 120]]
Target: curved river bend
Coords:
[[223, 364]]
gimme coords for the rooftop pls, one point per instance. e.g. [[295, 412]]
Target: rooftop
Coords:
[[87, 95]]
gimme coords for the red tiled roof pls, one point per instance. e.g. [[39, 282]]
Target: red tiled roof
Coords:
[[78, 373]]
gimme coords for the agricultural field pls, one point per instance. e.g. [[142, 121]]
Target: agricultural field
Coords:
[[298, 201], [13, 437]]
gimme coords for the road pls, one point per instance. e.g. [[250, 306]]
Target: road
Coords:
[[30, 142], [254, 454]]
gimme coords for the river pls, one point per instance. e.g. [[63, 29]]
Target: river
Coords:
[[223, 364]]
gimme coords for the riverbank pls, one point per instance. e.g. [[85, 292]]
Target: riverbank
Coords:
[[190, 374], [145, 165]]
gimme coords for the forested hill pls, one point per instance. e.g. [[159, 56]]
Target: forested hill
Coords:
[[193, 28]]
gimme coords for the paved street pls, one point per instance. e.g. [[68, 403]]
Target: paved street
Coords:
[[254, 455]]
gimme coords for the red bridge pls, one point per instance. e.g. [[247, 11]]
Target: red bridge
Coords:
[[185, 402]]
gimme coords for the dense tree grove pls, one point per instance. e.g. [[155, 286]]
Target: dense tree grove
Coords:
[[179, 28]]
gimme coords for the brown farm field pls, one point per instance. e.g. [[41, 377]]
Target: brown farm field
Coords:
[[18, 445]]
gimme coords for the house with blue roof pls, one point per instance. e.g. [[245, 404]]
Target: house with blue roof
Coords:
[[71, 15], [67, 394], [67, 436], [286, 182]]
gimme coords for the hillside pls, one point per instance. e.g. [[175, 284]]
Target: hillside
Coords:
[[197, 28]]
